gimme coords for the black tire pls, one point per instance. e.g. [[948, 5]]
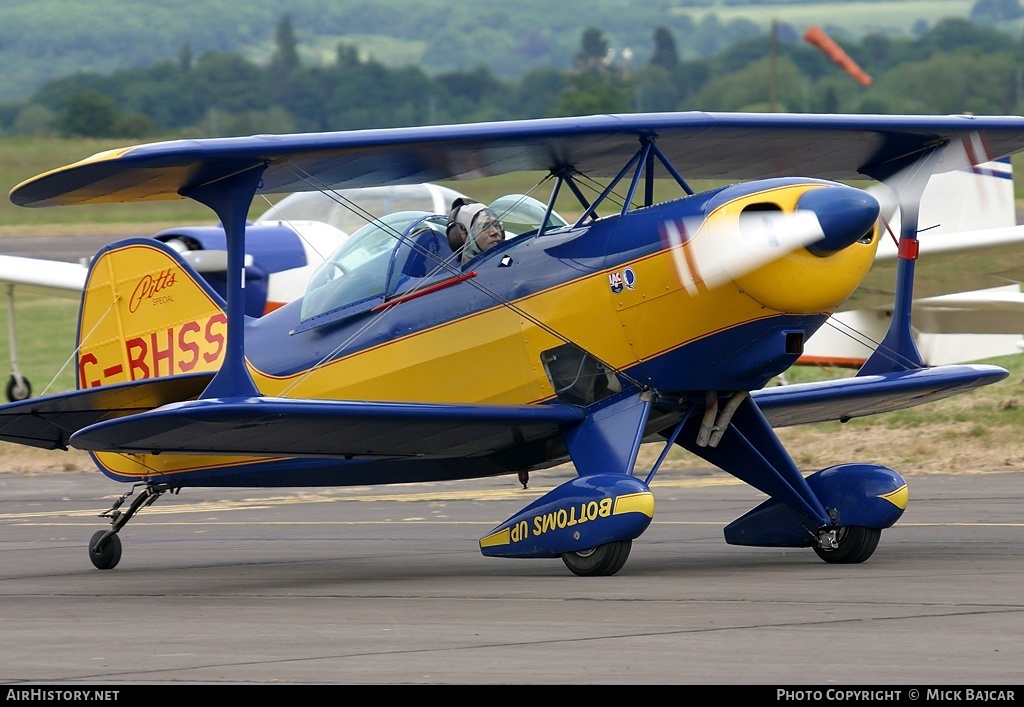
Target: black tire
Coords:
[[17, 393], [856, 544], [109, 555], [600, 561]]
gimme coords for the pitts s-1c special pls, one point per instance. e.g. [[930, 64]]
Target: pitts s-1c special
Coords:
[[639, 322]]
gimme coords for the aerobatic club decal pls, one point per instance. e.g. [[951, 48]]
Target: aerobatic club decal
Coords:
[[625, 279]]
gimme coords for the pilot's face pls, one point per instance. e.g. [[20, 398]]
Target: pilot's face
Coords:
[[487, 231]]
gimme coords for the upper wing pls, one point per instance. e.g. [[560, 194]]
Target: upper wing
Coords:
[[709, 145]]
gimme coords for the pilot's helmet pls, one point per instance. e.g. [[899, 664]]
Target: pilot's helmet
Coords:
[[467, 218], [460, 218]]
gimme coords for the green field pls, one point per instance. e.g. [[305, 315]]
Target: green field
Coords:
[[855, 18], [21, 159]]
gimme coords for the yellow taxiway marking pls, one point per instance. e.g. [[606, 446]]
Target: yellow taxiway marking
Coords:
[[320, 497], [177, 506]]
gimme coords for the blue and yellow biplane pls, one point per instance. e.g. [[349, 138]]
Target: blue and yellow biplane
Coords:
[[638, 322]]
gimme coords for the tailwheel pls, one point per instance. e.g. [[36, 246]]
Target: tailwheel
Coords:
[[105, 546], [106, 554], [600, 561], [853, 544], [18, 389]]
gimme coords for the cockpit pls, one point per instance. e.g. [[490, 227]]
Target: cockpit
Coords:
[[399, 253]]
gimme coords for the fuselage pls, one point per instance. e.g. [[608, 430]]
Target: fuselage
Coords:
[[612, 288], [573, 316]]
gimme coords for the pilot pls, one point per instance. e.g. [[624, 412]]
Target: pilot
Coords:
[[474, 228]]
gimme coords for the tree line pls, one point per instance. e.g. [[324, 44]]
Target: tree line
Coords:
[[954, 67]]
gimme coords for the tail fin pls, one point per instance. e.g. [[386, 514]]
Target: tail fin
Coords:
[[146, 314], [970, 199]]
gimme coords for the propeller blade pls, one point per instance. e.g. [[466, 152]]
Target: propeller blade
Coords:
[[712, 252]]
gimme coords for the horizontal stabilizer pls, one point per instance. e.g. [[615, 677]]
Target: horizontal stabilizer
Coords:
[[805, 403], [327, 428], [48, 422]]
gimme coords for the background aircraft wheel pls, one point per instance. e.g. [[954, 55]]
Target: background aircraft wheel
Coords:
[[17, 392], [109, 556], [856, 544], [600, 561]]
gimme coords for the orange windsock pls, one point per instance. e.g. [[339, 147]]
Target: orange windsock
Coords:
[[822, 41]]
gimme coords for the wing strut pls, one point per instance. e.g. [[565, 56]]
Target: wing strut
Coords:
[[752, 452], [644, 161], [590, 212], [230, 198], [645, 168], [898, 351]]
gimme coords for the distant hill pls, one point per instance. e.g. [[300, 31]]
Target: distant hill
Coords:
[[45, 39]]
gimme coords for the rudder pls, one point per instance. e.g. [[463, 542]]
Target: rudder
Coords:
[[146, 314]]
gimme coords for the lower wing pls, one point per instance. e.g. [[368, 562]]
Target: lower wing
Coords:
[[328, 428], [846, 398], [161, 416], [48, 422]]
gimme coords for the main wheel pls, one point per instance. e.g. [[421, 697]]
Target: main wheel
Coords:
[[18, 391], [600, 561], [109, 555], [856, 544]]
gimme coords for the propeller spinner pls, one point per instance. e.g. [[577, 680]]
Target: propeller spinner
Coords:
[[795, 248]]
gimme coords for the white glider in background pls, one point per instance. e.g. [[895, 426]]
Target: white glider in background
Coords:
[[968, 303]]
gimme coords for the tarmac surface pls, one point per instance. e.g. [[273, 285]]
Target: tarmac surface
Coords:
[[387, 586], [70, 249]]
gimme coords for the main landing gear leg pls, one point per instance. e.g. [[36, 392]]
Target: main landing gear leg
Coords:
[[105, 546]]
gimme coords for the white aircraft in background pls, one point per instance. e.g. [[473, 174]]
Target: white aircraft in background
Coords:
[[968, 303]]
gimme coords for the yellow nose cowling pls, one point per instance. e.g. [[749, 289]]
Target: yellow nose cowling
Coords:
[[800, 281]]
